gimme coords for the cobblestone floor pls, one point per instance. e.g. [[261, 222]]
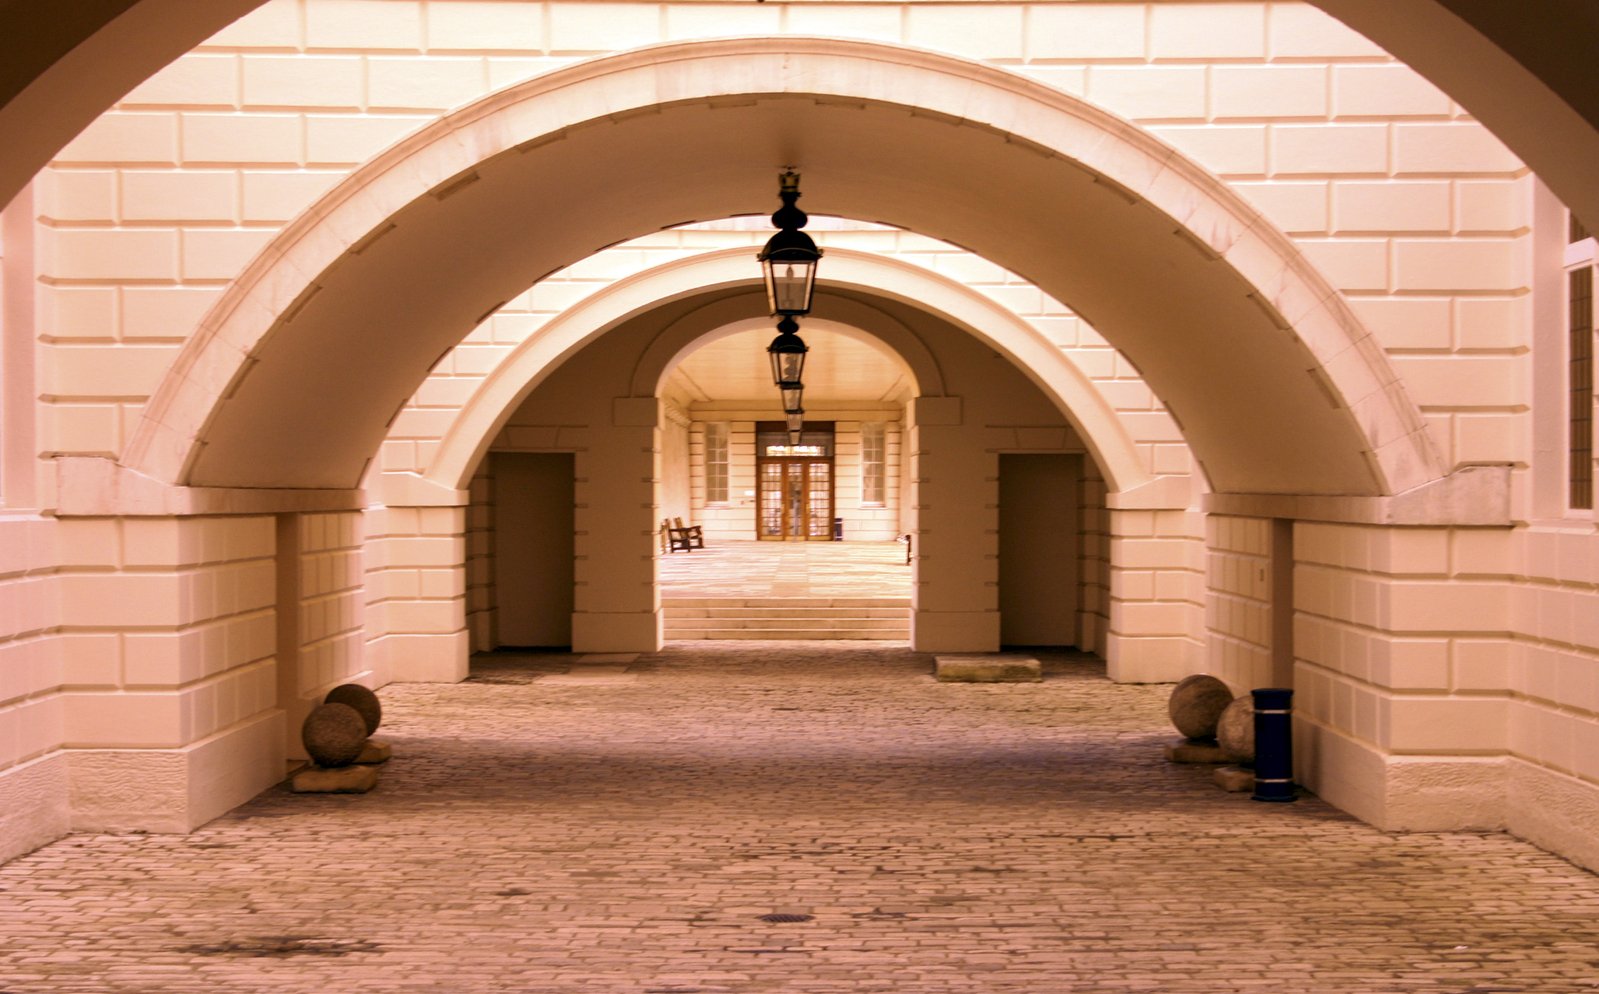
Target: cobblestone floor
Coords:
[[551, 827]]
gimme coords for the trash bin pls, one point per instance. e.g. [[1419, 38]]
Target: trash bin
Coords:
[[838, 529]]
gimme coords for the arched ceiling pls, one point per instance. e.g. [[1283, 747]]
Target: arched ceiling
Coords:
[[838, 369], [296, 374], [380, 317]]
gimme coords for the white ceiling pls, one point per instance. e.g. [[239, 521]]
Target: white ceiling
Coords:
[[837, 369]]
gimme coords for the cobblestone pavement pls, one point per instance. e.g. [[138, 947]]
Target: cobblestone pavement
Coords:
[[550, 826]]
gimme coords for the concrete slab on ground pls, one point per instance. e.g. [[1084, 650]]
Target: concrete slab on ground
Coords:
[[987, 668]]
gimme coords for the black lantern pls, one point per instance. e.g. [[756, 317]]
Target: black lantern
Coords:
[[791, 397], [789, 259], [787, 352]]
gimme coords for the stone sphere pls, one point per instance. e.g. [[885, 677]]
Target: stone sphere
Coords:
[[333, 735], [1196, 705], [1235, 731], [363, 700]]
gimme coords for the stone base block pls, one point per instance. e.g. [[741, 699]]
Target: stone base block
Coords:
[[373, 753], [424, 657], [1234, 779], [1556, 811], [344, 780], [600, 632], [176, 790], [987, 669], [954, 631], [1400, 793], [1190, 751], [34, 808], [1150, 659]]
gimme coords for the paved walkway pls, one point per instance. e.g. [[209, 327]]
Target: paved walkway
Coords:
[[787, 569], [550, 827]]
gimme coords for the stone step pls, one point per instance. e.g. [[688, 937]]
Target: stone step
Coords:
[[897, 613], [673, 623], [785, 602], [811, 618], [792, 634]]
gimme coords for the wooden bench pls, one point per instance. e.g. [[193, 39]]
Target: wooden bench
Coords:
[[695, 534], [675, 537]]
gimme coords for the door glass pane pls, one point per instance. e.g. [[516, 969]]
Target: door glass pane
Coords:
[[821, 500], [793, 499], [771, 500]]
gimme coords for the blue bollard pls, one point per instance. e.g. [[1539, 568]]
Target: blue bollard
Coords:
[[1274, 745]]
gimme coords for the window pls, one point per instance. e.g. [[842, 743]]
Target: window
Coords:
[[873, 461], [716, 462], [1579, 366], [1579, 330]]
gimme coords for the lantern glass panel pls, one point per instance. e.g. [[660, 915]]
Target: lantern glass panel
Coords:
[[787, 367], [789, 284], [791, 397]]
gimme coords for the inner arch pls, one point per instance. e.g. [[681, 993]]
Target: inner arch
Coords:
[[728, 294]]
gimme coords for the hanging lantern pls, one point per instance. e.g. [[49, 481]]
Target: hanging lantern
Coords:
[[787, 353], [789, 259]]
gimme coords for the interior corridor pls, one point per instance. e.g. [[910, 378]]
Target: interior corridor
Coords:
[[789, 817]]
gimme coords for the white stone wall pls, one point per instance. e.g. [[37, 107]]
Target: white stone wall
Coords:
[[481, 604], [1093, 612], [862, 522], [733, 519], [1156, 626], [1238, 601], [676, 469], [1396, 654], [175, 619], [333, 593], [36, 665], [415, 625]]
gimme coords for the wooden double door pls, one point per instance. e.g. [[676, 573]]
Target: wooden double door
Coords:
[[794, 499]]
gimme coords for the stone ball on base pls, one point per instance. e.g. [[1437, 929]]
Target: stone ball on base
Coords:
[[1196, 705], [1235, 730], [333, 735], [362, 699]]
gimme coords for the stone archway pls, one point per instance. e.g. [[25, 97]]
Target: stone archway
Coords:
[[385, 272], [515, 377]]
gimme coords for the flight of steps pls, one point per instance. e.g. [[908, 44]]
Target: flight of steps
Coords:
[[787, 617]]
